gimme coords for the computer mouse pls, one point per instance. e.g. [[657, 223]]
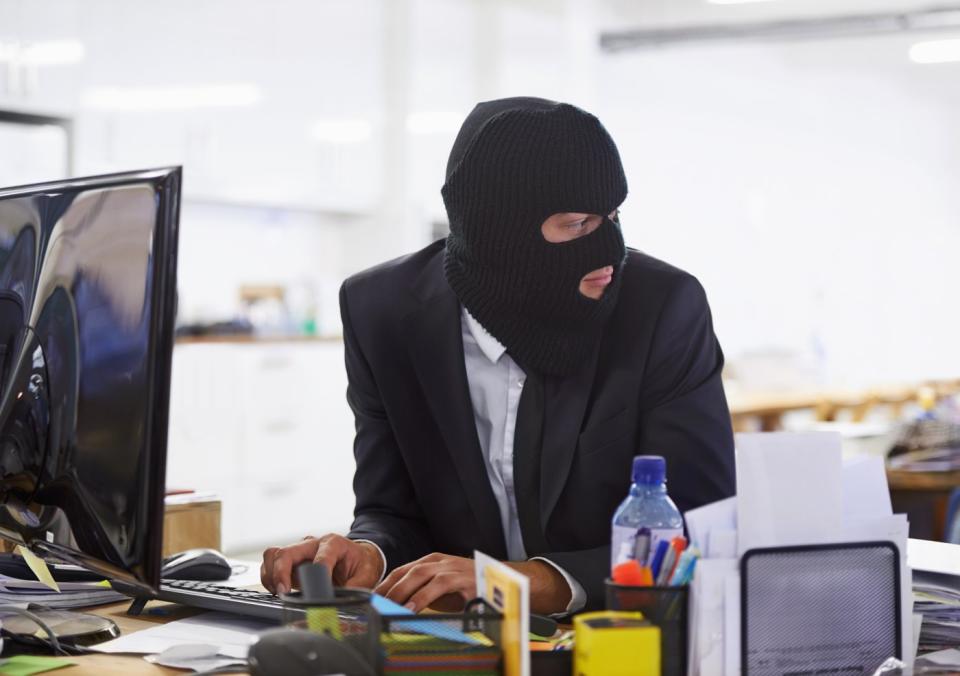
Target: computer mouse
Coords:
[[196, 564], [298, 652]]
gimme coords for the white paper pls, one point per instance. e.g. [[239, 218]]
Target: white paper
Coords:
[[865, 490], [196, 657], [731, 625], [707, 613], [947, 658], [789, 489], [245, 574], [933, 557], [704, 523], [203, 664], [231, 634], [915, 648]]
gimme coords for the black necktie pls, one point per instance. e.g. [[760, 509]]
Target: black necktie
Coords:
[[527, 448]]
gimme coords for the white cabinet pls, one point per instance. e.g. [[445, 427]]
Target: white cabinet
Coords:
[[267, 426]]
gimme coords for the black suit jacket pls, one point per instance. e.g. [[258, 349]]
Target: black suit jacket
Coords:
[[652, 386]]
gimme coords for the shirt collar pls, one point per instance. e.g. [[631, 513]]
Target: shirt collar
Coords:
[[490, 346]]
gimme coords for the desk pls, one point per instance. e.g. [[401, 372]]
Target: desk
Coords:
[[186, 525], [923, 496], [765, 410], [120, 665]]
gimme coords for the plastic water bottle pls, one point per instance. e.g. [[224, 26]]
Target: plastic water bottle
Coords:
[[647, 506]]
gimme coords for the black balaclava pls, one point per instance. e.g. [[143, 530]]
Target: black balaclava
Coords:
[[514, 163]]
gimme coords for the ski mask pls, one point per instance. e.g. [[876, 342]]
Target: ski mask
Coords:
[[514, 163]]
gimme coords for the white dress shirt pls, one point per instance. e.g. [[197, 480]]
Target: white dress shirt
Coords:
[[496, 382]]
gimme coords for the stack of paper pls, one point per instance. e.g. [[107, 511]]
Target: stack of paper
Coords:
[[421, 653], [936, 592], [71, 595], [792, 489]]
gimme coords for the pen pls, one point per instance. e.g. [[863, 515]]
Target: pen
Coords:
[[677, 545], [658, 556], [684, 569], [642, 547]]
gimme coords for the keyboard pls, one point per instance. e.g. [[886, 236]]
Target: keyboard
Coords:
[[213, 596]]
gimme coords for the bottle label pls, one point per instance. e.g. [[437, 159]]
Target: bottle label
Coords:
[[626, 546]]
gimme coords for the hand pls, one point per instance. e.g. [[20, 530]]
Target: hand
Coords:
[[352, 564], [437, 581], [549, 591]]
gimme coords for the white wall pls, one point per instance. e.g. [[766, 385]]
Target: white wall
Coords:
[[223, 247], [811, 187]]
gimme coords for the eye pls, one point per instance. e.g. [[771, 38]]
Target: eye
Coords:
[[577, 226]]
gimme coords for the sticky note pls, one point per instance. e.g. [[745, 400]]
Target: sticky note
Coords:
[[39, 567], [26, 665]]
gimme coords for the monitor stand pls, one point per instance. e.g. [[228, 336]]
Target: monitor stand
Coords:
[[139, 598]]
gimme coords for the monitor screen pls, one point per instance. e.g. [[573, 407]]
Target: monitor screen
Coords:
[[87, 304]]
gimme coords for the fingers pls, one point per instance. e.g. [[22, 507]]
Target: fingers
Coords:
[[442, 584], [417, 576], [266, 567], [398, 573], [420, 583], [333, 551], [276, 572], [394, 577]]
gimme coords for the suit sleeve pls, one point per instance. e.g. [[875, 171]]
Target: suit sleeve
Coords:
[[683, 415], [386, 512], [683, 409]]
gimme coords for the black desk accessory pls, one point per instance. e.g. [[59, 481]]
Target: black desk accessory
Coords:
[[820, 608]]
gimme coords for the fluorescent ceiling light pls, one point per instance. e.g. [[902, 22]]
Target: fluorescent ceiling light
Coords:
[[936, 51], [342, 131], [172, 98], [433, 122], [46, 53], [736, 2]]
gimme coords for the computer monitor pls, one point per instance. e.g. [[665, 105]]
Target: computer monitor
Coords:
[[88, 271]]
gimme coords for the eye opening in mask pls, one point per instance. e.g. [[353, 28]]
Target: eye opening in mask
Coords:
[[567, 226]]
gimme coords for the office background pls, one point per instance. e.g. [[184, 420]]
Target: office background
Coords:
[[809, 182]]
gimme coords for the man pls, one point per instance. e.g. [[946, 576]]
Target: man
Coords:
[[503, 380]]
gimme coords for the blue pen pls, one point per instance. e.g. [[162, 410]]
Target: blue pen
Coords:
[[684, 569], [661, 552]]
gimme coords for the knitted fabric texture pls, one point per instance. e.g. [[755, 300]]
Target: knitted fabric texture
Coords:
[[515, 163]]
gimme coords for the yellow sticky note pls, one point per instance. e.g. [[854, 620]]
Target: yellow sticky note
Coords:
[[39, 567]]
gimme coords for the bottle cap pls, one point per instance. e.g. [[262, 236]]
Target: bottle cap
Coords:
[[649, 470]]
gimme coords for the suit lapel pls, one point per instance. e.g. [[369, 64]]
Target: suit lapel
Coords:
[[566, 402], [436, 347]]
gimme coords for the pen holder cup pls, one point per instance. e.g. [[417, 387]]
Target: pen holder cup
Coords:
[[665, 607], [452, 643], [348, 618]]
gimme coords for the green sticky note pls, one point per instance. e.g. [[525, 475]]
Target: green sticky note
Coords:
[[25, 665]]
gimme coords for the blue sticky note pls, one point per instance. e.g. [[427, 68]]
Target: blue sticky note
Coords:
[[385, 606]]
